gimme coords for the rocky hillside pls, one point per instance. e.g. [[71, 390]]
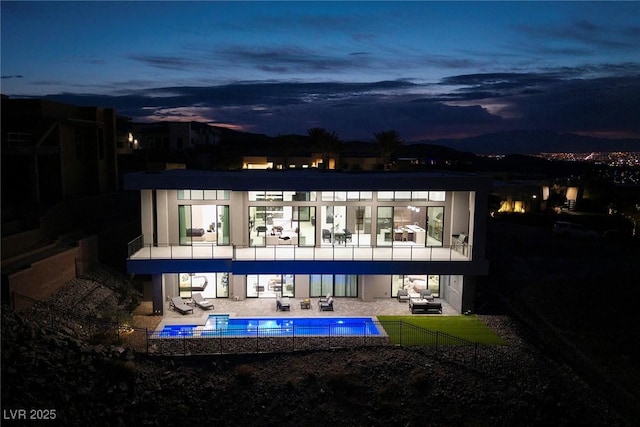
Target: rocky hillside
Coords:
[[53, 363]]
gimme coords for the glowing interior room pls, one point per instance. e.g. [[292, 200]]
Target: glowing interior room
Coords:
[[309, 233]]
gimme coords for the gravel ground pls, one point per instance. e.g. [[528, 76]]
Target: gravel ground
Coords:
[[57, 365]]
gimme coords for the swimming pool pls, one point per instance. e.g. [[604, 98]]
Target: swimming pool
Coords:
[[223, 325]]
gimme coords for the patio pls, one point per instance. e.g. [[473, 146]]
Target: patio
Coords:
[[266, 307]]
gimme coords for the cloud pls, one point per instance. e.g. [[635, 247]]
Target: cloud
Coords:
[[580, 37], [166, 62], [461, 105]]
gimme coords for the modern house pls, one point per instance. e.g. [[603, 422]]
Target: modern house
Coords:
[[308, 233]]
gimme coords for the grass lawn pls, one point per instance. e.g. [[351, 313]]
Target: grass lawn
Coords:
[[469, 328]]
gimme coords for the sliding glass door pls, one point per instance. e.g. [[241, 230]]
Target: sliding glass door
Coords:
[[185, 230]]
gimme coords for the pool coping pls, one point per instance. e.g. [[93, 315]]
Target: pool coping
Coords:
[[202, 320]]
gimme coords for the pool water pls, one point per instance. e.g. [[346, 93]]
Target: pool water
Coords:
[[222, 325]]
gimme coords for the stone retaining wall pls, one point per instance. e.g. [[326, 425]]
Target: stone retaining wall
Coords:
[[171, 346]]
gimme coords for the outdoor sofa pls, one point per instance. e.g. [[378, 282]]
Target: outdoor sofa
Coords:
[[425, 306]]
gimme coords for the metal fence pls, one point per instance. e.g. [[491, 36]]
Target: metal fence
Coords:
[[200, 341]]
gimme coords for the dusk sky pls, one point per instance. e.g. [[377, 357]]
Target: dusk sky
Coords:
[[426, 69]]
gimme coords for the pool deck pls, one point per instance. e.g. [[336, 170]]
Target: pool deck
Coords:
[[266, 307]]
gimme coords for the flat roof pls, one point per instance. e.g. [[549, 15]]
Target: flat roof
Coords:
[[305, 180]]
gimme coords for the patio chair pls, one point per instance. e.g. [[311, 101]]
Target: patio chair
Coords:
[[327, 306], [403, 295], [199, 300], [325, 299], [283, 304], [426, 294], [326, 235], [178, 305]]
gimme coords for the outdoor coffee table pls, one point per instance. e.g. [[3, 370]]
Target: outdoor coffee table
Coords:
[[305, 304]]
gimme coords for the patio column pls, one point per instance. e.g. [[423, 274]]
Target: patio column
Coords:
[[156, 289]]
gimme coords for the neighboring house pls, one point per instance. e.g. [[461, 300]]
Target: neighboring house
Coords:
[[59, 198], [354, 235], [174, 136], [53, 152], [531, 196]]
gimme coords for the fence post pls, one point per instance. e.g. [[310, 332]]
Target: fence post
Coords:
[[475, 356]]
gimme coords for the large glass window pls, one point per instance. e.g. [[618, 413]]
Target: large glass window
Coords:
[[358, 228], [385, 195], [223, 225], [185, 232], [345, 285], [340, 285], [435, 225], [437, 196], [333, 221], [414, 283], [203, 194], [203, 223], [210, 285], [320, 285], [222, 285], [270, 285], [304, 218], [409, 225], [257, 225], [384, 225], [281, 225], [434, 196]]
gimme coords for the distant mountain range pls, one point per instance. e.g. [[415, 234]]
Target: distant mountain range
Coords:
[[525, 142], [534, 142]]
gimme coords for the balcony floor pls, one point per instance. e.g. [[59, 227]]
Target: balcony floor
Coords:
[[287, 252]]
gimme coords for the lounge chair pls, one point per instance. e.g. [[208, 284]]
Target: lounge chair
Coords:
[[403, 295], [199, 300], [327, 306], [283, 304], [178, 305]]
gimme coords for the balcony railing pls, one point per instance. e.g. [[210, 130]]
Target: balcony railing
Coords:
[[138, 251]]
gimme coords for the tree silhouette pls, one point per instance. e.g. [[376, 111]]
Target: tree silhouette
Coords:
[[389, 143], [327, 143], [286, 147]]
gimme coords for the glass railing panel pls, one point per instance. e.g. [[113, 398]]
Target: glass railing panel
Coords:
[[211, 251]]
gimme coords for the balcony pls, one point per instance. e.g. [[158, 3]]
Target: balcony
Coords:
[[140, 251]]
